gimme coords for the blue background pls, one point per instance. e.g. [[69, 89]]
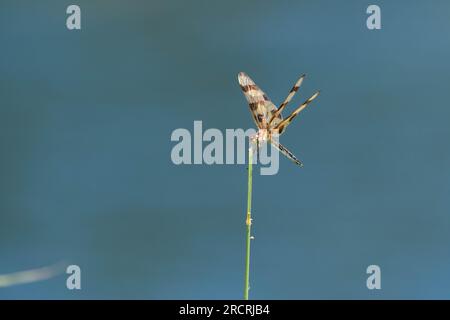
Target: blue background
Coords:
[[85, 169]]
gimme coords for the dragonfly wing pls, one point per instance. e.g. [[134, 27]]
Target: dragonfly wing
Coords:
[[272, 122], [286, 152], [261, 107], [283, 124]]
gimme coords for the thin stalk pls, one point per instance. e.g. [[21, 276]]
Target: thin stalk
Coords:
[[33, 275], [248, 222]]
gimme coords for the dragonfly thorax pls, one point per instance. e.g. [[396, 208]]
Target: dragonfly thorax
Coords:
[[263, 135]]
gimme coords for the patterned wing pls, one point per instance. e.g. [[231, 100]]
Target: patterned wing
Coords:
[[283, 124], [260, 105], [286, 152], [286, 101]]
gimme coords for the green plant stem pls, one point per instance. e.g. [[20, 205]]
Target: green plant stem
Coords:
[[248, 222]]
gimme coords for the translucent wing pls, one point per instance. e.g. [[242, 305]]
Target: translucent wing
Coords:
[[283, 124], [260, 105], [286, 101], [286, 152]]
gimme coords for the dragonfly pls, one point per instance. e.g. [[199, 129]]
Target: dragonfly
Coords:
[[268, 117]]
